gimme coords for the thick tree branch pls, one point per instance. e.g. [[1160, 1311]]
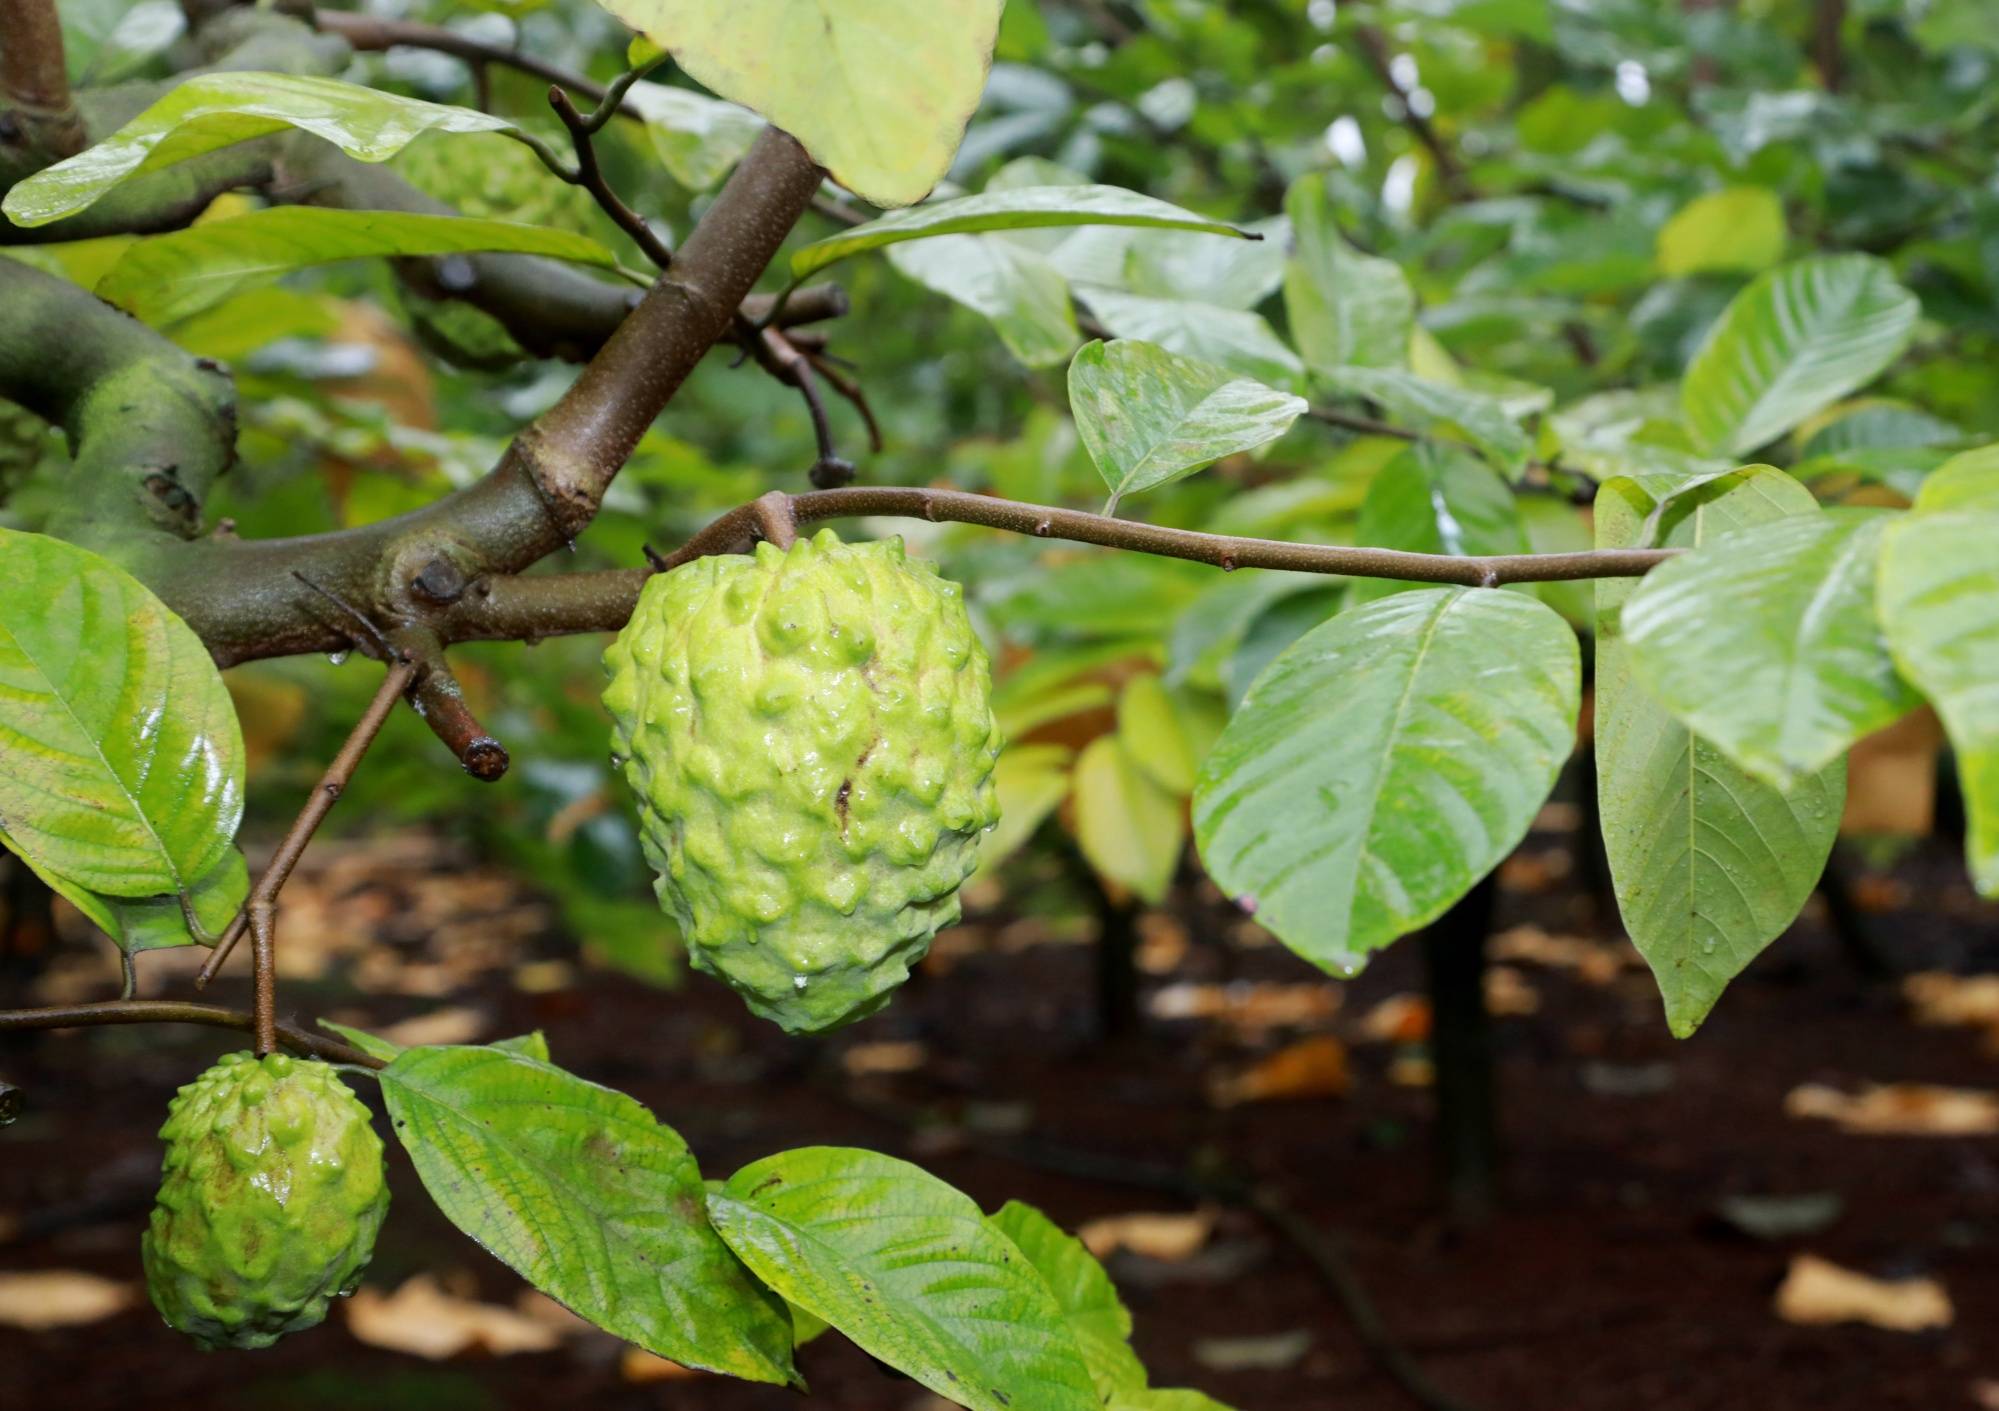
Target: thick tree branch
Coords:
[[35, 80], [149, 426], [507, 608]]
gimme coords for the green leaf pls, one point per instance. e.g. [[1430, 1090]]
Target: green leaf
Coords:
[[1159, 1399], [1425, 404], [910, 1270], [1876, 423], [1346, 309], [1235, 339], [1939, 601], [216, 110], [1130, 829], [580, 1191], [1436, 500], [1739, 229], [1764, 642], [373, 1045], [121, 761], [1014, 208], [170, 277], [1554, 526], [697, 138], [1084, 1293], [1014, 286], [1709, 863], [1967, 481], [878, 91], [137, 924], [1032, 781], [1796, 340], [1149, 417], [1385, 762]]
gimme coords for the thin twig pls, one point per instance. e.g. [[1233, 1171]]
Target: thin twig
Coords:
[[776, 355], [372, 33], [589, 175], [158, 1011], [380, 643], [317, 805], [1450, 171], [508, 607], [264, 964], [847, 387]]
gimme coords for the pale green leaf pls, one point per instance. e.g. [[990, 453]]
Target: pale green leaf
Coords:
[[1236, 339], [1011, 208], [1939, 601], [1346, 309], [1798, 339], [909, 1269], [216, 110], [1014, 286], [1032, 781], [1764, 642], [1424, 404], [1966, 481], [697, 138], [1739, 229], [1874, 423], [1709, 864], [1148, 417], [1435, 499], [1387, 760], [580, 1191], [1083, 1291], [878, 91], [169, 277], [374, 1045], [137, 924], [1130, 829], [121, 761]]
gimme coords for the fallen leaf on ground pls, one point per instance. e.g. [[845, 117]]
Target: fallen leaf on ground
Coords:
[[1315, 1067], [1162, 943], [422, 1319], [1168, 1236], [1247, 1007], [1257, 1354], [887, 1056], [1509, 992], [544, 977], [1899, 1109], [1951, 1001], [1817, 1291], [61, 1298], [642, 1368], [1534, 872], [1399, 1019], [1985, 1394], [456, 1025], [1594, 962]]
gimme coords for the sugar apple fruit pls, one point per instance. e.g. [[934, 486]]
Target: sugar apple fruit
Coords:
[[270, 1197], [810, 736]]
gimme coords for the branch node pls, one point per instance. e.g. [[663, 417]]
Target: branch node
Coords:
[[777, 522]]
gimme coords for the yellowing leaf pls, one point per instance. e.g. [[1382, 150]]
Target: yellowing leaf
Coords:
[[1817, 1291], [878, 91], [1739, 229], [1130, 829], [1314, 1067]]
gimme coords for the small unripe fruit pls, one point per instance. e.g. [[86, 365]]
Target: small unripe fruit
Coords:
[[270, 1197], [811, 740]]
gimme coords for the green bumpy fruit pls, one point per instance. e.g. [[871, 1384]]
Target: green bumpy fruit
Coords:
[[270, 1197], [811, 739]]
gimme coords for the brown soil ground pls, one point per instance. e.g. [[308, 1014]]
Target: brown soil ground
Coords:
[[1606, 1282]]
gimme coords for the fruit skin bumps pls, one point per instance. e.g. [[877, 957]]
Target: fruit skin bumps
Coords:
[[810, 737], [270, 1197]]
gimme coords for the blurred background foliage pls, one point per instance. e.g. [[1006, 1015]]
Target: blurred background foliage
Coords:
[[1573, 190]]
